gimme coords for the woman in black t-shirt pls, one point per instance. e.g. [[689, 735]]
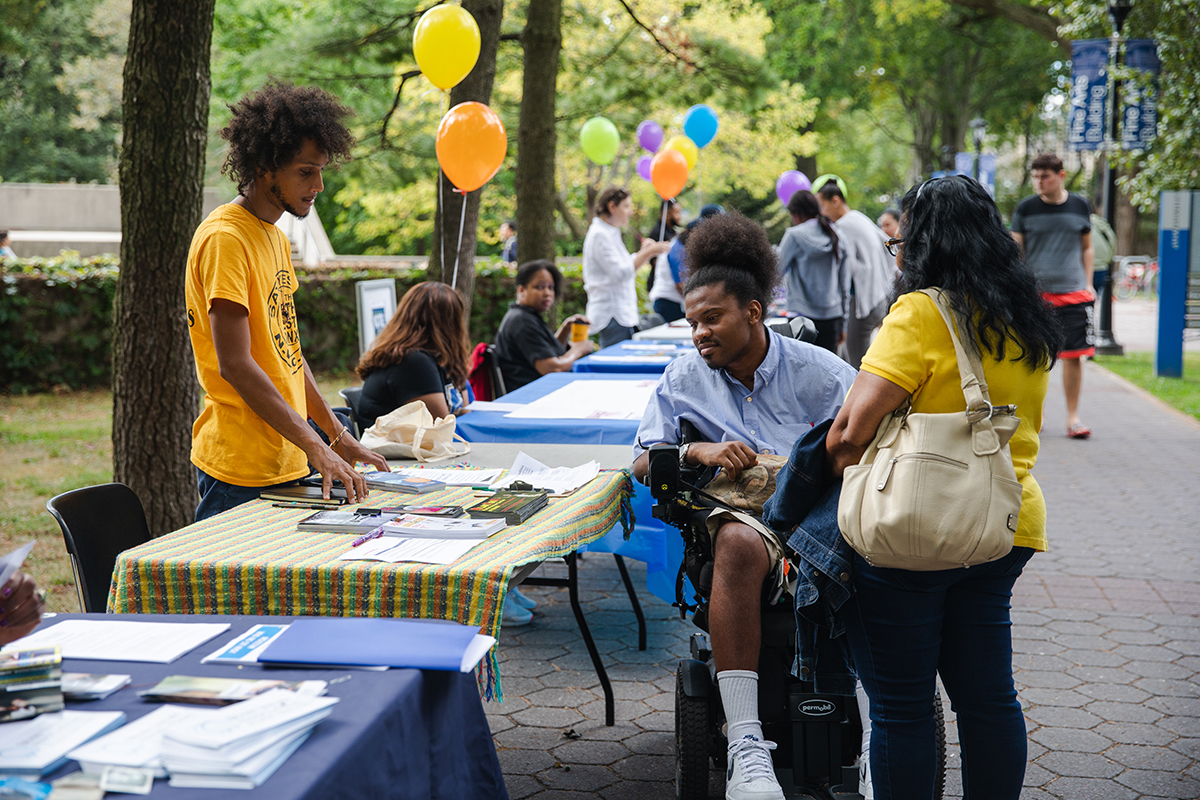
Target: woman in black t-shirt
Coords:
[[421, 354], [526, 348]]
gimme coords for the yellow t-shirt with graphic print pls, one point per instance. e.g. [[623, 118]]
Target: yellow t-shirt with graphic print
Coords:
[[914, 351], [236, 256]]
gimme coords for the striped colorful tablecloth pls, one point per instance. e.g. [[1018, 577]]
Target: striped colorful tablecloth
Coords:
[[252, 560]]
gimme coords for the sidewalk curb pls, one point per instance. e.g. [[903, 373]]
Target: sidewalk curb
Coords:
[[1188, 418]]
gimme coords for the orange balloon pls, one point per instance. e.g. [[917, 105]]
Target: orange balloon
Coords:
[[471, 144], [668, 173]]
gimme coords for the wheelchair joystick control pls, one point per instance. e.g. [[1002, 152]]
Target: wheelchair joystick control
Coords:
[[663, 475]]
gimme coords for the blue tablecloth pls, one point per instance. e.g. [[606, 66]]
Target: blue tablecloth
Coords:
[[661, 548], [648, 361], [403, 733]]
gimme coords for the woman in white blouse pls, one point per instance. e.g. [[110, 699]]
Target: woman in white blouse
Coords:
[[608, 268]]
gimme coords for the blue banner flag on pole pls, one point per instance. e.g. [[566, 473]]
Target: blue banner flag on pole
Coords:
[[1139, 98], [1089, 94]]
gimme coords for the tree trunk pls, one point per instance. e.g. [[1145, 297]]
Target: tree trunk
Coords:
[[536, 134], [453, 214], [155, 394]]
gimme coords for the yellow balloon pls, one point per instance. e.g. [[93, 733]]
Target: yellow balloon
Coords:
[[686, 146], [446, 45]]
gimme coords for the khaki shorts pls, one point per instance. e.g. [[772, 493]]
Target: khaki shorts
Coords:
[[781, 576]]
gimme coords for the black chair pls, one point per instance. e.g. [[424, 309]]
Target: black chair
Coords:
[[351, 394], [801, 328], [492, 364], [98, 524]]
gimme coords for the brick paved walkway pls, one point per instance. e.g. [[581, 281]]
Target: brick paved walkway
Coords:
[[1106, 632]]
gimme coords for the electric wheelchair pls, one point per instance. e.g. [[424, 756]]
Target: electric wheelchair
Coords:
[[818, 735]]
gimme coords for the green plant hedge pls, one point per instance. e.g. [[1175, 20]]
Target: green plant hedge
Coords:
[[56, 315]]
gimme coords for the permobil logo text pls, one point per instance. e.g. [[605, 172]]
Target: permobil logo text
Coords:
[[817, 708]]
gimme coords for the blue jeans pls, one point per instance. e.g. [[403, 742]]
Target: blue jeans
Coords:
[[216, 495], [615, 332], [906, 628], [668, 309]]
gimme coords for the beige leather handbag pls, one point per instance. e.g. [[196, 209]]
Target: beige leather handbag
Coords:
[[936, 491]]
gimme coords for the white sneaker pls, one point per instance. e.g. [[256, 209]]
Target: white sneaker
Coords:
[[864, 777], [513, 615], [521, 600], [750, 775]]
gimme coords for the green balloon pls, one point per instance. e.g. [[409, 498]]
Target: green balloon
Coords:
[[599, 139]]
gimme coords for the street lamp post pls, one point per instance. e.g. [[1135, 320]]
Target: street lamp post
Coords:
[[1118, 10], [978, 128]]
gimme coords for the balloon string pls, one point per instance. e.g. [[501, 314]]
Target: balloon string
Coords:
[[662, 228], [461, 222]]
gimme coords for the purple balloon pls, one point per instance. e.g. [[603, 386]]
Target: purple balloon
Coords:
[[789, 183], [650, 136], [643, 167]]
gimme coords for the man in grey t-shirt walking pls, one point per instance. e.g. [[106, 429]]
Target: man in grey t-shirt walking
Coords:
[[1055, 230], [872, 270]]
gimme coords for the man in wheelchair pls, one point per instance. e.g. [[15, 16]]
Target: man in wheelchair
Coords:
[[747, 391]]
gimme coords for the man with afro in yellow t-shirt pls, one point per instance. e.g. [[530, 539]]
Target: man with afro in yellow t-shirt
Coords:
[[258, 390]]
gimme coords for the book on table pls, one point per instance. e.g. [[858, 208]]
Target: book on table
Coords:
[[30, 683], [415, 526], [305, 494], [400, 482], [340, 521], [360, 641], [40, 745], [513, 507], [222, 691], [92, 686]]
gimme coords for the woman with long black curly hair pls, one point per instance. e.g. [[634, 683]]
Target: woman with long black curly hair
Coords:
[[907, 627]]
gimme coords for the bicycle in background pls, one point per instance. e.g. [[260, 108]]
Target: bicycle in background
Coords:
[[1136, 274]]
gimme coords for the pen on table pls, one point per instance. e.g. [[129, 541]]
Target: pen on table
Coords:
[[366, 537], [299, 505]]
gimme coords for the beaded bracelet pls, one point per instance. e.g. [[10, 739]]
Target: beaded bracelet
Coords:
[[338, 438]]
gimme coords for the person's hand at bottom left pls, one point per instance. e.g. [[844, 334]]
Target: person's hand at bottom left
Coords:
[[21, 608]]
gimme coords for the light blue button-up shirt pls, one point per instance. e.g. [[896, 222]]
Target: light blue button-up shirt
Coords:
[[797, 386]]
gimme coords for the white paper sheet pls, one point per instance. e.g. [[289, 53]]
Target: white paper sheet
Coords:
[[494, 405], [113, 640], [559, 480], [645, 358], [591, 400], [424, 551], [453, 477], [10, 563]]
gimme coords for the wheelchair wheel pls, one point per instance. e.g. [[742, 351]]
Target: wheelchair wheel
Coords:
[[691, 743]]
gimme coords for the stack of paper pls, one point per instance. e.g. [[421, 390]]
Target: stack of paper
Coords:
[[240, 746], [40, 745], [451, 477], [137, 745], [558, 481], [121, 640], [222, 691]]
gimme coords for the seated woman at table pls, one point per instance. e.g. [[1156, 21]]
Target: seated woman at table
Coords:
[[526, 348], [21, 607], [422, 354]]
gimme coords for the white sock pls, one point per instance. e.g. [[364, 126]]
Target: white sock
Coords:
[[864, 714], [739, 695]]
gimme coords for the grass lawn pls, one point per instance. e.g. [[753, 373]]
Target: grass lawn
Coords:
[[52, 443], [1138, 368]]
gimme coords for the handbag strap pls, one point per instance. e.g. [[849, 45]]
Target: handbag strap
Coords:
[[975, 390]]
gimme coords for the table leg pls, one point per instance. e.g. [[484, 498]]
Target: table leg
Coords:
[[572, 584], [633, 600]]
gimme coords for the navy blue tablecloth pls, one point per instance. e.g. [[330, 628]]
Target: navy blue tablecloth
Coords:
[[659, 547], [403, 733]]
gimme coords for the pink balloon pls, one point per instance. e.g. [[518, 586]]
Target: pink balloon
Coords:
[[650, 136], [643, 167], [789, 183]]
